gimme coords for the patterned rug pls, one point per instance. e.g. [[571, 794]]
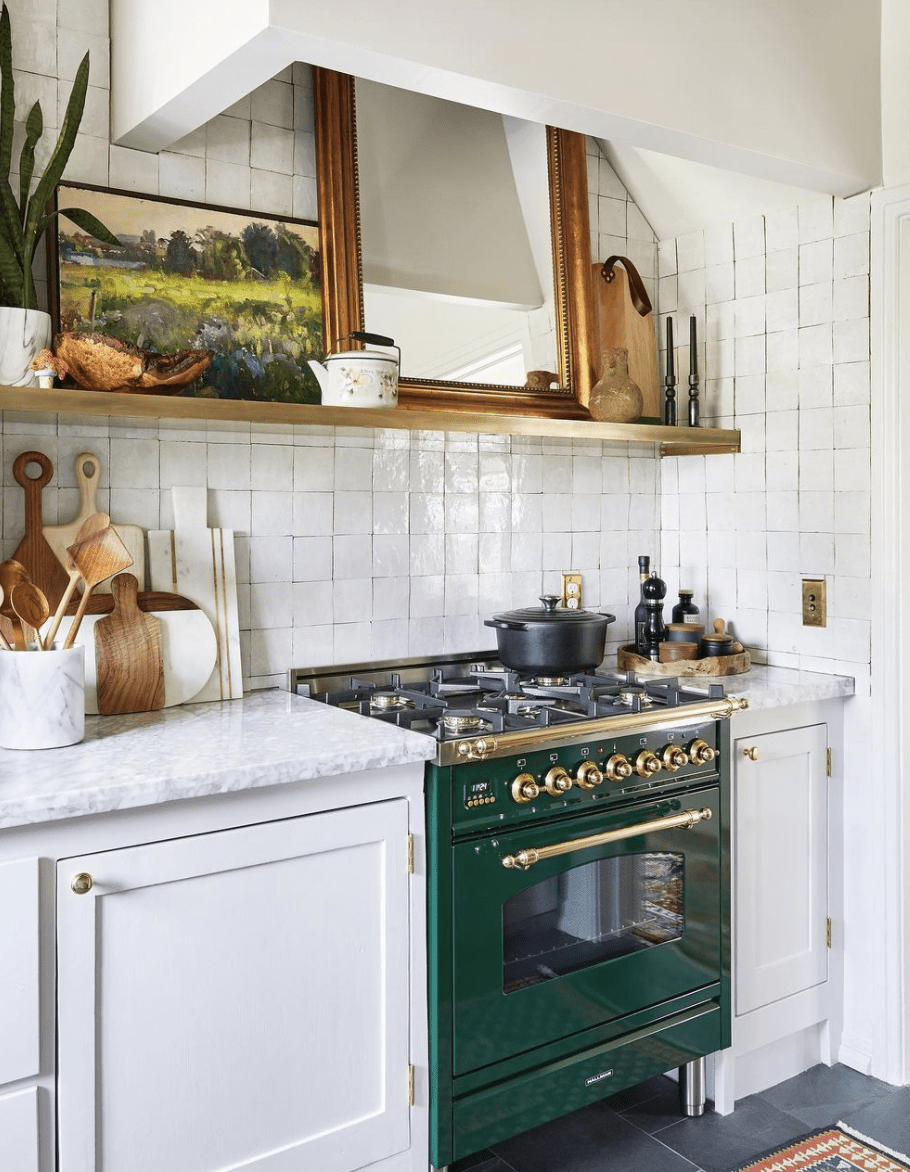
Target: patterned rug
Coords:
[[831, 1150]]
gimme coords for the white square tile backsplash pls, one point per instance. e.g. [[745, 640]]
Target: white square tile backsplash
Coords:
[[798, 503]]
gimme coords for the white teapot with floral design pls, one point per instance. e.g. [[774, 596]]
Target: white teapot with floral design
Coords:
[[359, 378]]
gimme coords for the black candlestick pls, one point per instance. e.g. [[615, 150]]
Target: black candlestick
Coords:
[[670, 380], [693, 375]]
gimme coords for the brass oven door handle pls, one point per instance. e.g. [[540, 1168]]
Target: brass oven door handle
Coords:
[[522, 860]]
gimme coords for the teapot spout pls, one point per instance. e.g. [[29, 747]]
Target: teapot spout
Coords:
[[321, 373]]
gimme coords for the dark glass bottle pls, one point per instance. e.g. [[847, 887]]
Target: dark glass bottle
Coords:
[[685, 610], [641, 611], [654, 590]]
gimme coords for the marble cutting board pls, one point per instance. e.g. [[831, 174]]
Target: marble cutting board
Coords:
[[198, 562]]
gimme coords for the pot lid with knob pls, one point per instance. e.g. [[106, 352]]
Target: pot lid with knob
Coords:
[[549, 612]]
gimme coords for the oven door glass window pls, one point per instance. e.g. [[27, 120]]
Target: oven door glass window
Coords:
[[596, 912]]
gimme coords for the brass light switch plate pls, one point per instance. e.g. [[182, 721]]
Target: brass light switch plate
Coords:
[[571, 591], [815, 604]]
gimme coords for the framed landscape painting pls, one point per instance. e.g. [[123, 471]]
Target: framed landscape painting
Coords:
[[242, 284]]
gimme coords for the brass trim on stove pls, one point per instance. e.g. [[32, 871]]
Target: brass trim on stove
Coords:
[[505, 744], [524, 859]]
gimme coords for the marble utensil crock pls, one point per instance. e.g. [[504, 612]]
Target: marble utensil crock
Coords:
[[42, 698], [23, 334]]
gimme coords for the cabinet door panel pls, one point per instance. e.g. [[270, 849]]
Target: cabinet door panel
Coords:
[[19, 970], [19, 1131], [781, 865], [238, 999]]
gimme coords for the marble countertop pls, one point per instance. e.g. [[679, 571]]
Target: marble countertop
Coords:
[[267, 738], [778, 687], [196, 750]]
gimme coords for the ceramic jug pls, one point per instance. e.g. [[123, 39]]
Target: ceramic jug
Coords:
[[615, 398]]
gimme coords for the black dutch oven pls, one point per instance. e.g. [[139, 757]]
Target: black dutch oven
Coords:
[[547, 641]]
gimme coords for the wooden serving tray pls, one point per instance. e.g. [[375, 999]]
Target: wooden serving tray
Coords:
[[628, 659]]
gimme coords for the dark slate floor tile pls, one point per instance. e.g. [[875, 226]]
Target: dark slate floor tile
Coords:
[[718, 1143], [660, 1085], [484, 1161], [820, 1096], [886, 1120], [659, 1111], [591, 1140]]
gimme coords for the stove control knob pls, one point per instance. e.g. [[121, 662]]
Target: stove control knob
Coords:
[[701, 753], [557, 782], [588, 775], [674, 758], [647, 763], [618, 768], [525, 788]]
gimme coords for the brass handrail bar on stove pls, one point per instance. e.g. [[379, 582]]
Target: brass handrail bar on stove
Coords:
[[524, 859]]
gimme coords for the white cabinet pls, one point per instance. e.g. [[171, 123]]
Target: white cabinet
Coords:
[[242, 984], [238, 998], [785, 831], [781, 850]]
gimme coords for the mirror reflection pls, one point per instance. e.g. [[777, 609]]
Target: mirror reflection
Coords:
[[456, 238]]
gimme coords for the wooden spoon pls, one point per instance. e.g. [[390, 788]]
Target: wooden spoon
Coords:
[[97, 557], [11, 574], [91, 525], [31, 605], [4, 642]]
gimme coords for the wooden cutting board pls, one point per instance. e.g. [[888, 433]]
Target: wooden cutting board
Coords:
[[198, 562], [59, 537], [618, 323], [188, 646], [33, 551], [129, 670]]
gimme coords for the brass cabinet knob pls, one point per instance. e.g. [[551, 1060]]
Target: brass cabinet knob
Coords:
[[588, 775], [701, 753], [674, 758], [752, 753], [647, 763], [82, 883], [618, 768], [557, 782], [525, 788]]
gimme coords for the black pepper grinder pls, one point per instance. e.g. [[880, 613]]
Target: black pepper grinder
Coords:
[[654, 590]]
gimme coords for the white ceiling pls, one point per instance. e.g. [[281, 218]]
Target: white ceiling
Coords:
[[689, 96]]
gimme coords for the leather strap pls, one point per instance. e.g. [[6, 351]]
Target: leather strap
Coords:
[[637, 291]]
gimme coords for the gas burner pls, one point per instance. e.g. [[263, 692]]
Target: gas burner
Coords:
[[528, 711], [549, 681], [461, 721], [389, 702], [629, 695]]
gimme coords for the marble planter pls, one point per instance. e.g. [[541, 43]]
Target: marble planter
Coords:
[[23, 333], [42, 698]]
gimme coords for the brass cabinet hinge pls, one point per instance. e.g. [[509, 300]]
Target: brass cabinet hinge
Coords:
[[829, 765], [410, 1086], [410, 854], [828, 931]]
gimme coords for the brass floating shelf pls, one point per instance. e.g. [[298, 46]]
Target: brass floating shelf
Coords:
[[670, 441]]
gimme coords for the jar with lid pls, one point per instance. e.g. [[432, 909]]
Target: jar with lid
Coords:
[[685, 610]]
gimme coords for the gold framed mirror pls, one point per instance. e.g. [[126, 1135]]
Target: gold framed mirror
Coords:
[[342, 271]]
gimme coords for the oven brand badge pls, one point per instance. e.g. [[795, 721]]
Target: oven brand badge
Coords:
[[597, 1077]]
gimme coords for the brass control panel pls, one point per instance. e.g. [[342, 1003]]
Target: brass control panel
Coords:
[[506, 790]]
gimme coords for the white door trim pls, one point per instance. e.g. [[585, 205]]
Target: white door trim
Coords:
[[888, 775]]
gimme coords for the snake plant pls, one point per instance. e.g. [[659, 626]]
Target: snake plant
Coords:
[[23, 223]]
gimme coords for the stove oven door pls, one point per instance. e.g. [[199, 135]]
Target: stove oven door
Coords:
[[598, 929]]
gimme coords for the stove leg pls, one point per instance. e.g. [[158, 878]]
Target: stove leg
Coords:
[[692, 1087]]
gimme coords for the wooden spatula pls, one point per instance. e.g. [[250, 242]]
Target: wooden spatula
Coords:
[[128, 662], [33, 551], [60, 537], [93, 524], [11, 574], [96, 558]]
